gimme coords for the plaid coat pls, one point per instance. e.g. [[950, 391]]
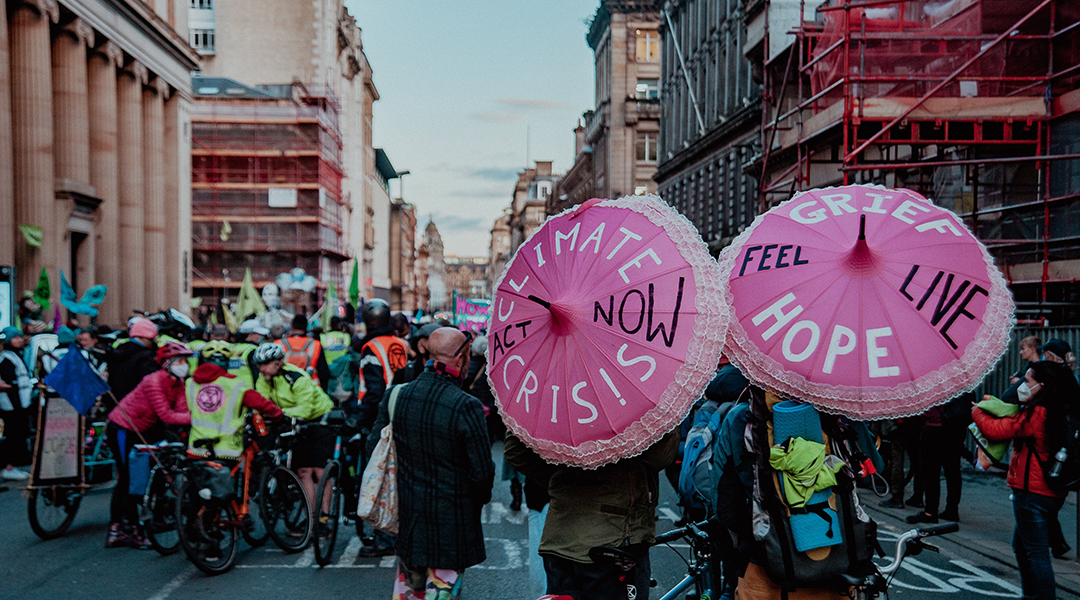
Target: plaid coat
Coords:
[[445, 472]]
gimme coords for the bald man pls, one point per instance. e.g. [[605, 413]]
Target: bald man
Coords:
[[445, 472]]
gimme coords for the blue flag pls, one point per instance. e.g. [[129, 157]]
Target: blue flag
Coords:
[[77, 382]]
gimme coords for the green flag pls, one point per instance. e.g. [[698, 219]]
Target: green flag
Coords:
[[43, 291], [33, 234], [249, 302], [354, 286]]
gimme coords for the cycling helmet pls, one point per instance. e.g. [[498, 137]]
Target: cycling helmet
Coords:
[[172, 350], [268, 352], [216, 352], [376, 314]]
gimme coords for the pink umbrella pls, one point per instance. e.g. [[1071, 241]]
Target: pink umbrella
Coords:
[[865, 301], [605, 327]]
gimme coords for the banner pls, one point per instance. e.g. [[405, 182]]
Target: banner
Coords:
[[58, 447], [471, 314]]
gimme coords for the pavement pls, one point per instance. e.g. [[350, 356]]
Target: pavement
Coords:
[[986, 524]]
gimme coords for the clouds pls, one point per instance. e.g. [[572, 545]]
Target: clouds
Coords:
[[451, 222], [498, 117], [534, 103], [496, 174]]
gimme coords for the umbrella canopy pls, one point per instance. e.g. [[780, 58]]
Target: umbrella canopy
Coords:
[[865, 301], [605, 328]]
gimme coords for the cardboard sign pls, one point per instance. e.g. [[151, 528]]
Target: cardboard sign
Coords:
[[58, 447]]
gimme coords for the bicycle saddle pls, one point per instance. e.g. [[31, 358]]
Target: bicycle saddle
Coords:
[[613, 556]]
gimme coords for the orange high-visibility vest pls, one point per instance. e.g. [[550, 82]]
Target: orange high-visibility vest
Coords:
[[392, 355], [302, 353]]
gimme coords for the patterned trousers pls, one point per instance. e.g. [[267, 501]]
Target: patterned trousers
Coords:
[[421, 583]]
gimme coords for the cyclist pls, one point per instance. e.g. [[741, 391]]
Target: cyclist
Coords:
[[132, 359], [299, 397], [335, 342], [158, 399], [217, 399], [252, 333], [306, 353]]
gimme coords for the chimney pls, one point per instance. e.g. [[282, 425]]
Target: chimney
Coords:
[[543, 167], [579, 139]]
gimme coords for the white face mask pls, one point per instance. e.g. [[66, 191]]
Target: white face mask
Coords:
[[1024, 392], [179, 369]]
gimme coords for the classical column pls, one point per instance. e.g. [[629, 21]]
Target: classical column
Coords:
[[71, 128], [177, 168], [32, 136], [130, 156], [103, 176], [154, 194], [8, 232]]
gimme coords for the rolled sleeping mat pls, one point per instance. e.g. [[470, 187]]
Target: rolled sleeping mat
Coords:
[[815, 525]]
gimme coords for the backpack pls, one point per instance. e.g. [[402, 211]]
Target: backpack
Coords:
[[695, 476], [774, 530], [344, 377], [1066, 477]]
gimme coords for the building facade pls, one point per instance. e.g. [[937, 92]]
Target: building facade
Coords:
[[316, 48], [617, 148], [973, 104], [532, 197], [94, 102], [435, 271], [711, 123], [499, 252], [403, 258], [467, 276]]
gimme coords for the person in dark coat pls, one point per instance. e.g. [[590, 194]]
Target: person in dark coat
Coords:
[[942, 443], [132, 360], [444, 471]]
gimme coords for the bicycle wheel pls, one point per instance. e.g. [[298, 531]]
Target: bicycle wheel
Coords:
[[329, 513], [206, 531], [52, 509], [253, 525], [285, 510], [159, 513]]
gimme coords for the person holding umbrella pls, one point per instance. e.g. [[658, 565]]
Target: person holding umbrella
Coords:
[[1039, 427]]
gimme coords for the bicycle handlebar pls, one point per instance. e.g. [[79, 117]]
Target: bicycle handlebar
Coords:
[[695, 530], [939, 529]]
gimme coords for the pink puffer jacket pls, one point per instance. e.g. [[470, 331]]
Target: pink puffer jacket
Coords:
[[158, 397]]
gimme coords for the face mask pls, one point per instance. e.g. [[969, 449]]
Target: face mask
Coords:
[[179, 369], [1023, 392]]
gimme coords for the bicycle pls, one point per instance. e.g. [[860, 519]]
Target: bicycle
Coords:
[[286, 512], [328, 519], [700, 572], [158, 507], [910, 543], [52, 508]]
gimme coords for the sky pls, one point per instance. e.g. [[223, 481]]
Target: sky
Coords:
[[462, 86]]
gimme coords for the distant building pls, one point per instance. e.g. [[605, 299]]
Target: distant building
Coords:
[[708, 138], [438, 295], [378, 245], [423, 295], [528, 210], [467, 276], [616, 151], [310, 53], [403, 258], [94, 143], [499, 252]]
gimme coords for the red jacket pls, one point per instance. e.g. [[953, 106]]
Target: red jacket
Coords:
[[1025, 472], [208, 372], [158, 397]]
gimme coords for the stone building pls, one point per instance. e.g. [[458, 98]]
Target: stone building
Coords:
[[499, 252], [403, 258], [94, 100], [532, 194], [438, 295], [616, 150], [710, 128], [316, 49], [467, 276]]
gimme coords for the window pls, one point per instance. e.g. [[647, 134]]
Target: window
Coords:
[[204, 4], [202, 40], [648, 45], [647, 89], [646, 146]]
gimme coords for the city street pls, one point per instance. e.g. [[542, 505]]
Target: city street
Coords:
[[77, 564]]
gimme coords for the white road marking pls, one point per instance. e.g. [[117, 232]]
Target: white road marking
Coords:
[[348, 558], [307, 558], [670, 515], [388, 562], [172, 586], [495, 512], [952, 582]]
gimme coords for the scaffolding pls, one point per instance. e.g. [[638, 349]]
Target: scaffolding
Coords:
[[970, 102], [266, 188]]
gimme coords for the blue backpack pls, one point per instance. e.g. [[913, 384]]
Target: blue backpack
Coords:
[[695, 477]]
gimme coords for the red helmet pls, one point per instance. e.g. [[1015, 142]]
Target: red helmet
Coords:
[[172, 350]]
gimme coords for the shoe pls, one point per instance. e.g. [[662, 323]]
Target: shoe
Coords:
[[1060, 551], [921, 518], [139, 541], [951, 515], [13, 474], [376, 551], [117, 537], [914, 502], [891, 503]]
